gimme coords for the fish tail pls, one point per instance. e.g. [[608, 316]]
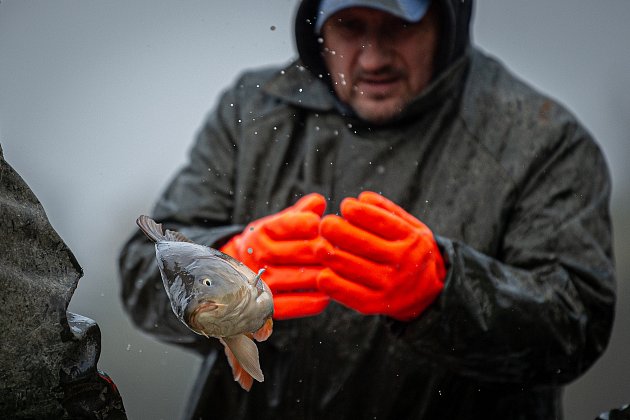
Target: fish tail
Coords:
[[150, 228]]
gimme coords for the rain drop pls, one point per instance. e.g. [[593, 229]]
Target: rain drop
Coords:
[[273, 28]]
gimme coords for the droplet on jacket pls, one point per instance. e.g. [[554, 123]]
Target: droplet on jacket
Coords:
[[250, 251]]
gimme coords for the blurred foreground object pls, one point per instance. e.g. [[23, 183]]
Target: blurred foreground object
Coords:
[[622, 413], [48, 356]]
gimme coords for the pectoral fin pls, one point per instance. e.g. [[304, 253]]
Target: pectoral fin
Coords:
[[265, 331], [242, 355]]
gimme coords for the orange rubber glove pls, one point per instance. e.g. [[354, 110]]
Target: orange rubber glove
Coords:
[[380, 259], [284, 245]]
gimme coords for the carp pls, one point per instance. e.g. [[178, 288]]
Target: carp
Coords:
[[215, 295]]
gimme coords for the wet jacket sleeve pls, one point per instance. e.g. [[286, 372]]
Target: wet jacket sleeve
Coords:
[[198, 203], [540, 312]]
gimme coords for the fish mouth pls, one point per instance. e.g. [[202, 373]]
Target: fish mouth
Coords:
[[202, 307]]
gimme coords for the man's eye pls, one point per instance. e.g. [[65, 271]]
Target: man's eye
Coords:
[[349, 26]]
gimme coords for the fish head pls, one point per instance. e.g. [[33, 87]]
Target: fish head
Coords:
[[218, 294], [235, 300], [211, 292]]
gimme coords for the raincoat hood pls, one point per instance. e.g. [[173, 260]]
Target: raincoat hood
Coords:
[[454, 37]]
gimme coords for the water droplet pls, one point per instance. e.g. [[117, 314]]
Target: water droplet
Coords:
[[273, 28], [128, 347], [250, 251]]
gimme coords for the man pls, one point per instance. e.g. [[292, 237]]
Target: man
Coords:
[[474, 286]]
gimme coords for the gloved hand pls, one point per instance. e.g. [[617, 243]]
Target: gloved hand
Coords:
[[284, 245], [379, 258]]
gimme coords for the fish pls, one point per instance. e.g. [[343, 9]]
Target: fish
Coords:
[[215, 295]]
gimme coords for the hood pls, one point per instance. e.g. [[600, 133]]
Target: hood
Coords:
[[454, 37]]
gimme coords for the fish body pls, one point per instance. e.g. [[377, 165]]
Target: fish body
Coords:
[[215, 295]]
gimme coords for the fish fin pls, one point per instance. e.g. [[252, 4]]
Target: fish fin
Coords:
[[243, 359], [243, 378], [150, 228], [172, 235], [265, 331], [255, 280]]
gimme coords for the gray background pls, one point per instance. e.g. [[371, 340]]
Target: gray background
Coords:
[[100, 100]]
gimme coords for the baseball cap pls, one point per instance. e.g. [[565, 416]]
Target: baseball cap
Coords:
[[409, 10]]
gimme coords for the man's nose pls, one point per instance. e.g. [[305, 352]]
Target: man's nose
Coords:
[[375, 53]]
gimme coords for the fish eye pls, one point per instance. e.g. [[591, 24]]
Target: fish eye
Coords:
[[207, 282]]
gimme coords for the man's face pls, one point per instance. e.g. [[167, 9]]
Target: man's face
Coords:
[[377, 62]]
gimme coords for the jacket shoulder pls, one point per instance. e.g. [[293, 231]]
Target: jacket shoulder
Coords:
[[512, 121]]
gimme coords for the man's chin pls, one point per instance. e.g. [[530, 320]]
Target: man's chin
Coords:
[[378, 112]]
